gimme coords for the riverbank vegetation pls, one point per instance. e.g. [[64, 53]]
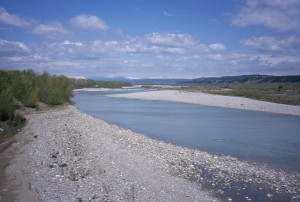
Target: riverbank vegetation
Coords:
[[87, 83], [284, 93], [26, 89]]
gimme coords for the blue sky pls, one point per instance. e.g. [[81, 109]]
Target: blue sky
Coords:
[[151, 39]]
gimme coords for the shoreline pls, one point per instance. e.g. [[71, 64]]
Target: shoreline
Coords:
[[212, 100], [68, 155]]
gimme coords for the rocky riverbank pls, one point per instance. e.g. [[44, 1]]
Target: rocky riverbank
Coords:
[[71, 156]]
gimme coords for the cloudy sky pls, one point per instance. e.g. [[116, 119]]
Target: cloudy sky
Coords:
[[151, 39]]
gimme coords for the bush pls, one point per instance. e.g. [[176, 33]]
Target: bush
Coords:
[[19, 88], [32, 98], [7, 108], [25, 88], [59, 90]]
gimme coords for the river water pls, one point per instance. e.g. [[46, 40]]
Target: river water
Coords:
[[260, 137]]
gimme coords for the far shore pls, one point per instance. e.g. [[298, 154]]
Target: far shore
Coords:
[[94, 89], [105, 89], [213, 100]]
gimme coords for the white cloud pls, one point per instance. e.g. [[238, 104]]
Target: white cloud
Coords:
[[215, 57], [40, 58], [151, 44], [53, 30], [89, 22], [170, 39], [14, 20], [174, 50], [151, 55], [13, 47], [272, 61], [216, 47], [262, 43], [269, 43], [69, 43], [133, 54], [175, 13], [281, 15], [257, 62]]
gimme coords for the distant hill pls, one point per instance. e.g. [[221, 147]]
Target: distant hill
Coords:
[[244, 79], [156, 81]]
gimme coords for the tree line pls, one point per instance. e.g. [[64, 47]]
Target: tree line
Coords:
[[26, 88], [87, 83]]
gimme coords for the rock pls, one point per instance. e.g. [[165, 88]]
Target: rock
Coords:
[[63, 165]]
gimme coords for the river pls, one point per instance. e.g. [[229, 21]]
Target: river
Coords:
[[257, 137]]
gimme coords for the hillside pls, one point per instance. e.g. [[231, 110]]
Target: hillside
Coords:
[[245, 79]]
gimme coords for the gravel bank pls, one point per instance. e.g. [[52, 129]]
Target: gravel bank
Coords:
[[80, 158], [213, 100], [75, 157]]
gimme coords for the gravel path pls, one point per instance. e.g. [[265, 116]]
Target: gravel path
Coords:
[[213, 100], [74, 157]]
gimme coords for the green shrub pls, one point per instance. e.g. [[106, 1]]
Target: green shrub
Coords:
[[59, 90], [18, 88], [43, 81], [32, 98], [25, 88], [7, 108]]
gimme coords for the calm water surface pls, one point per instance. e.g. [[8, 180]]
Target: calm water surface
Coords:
[[260, 137]]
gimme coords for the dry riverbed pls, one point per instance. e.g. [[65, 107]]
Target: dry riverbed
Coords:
[[66, 155]]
